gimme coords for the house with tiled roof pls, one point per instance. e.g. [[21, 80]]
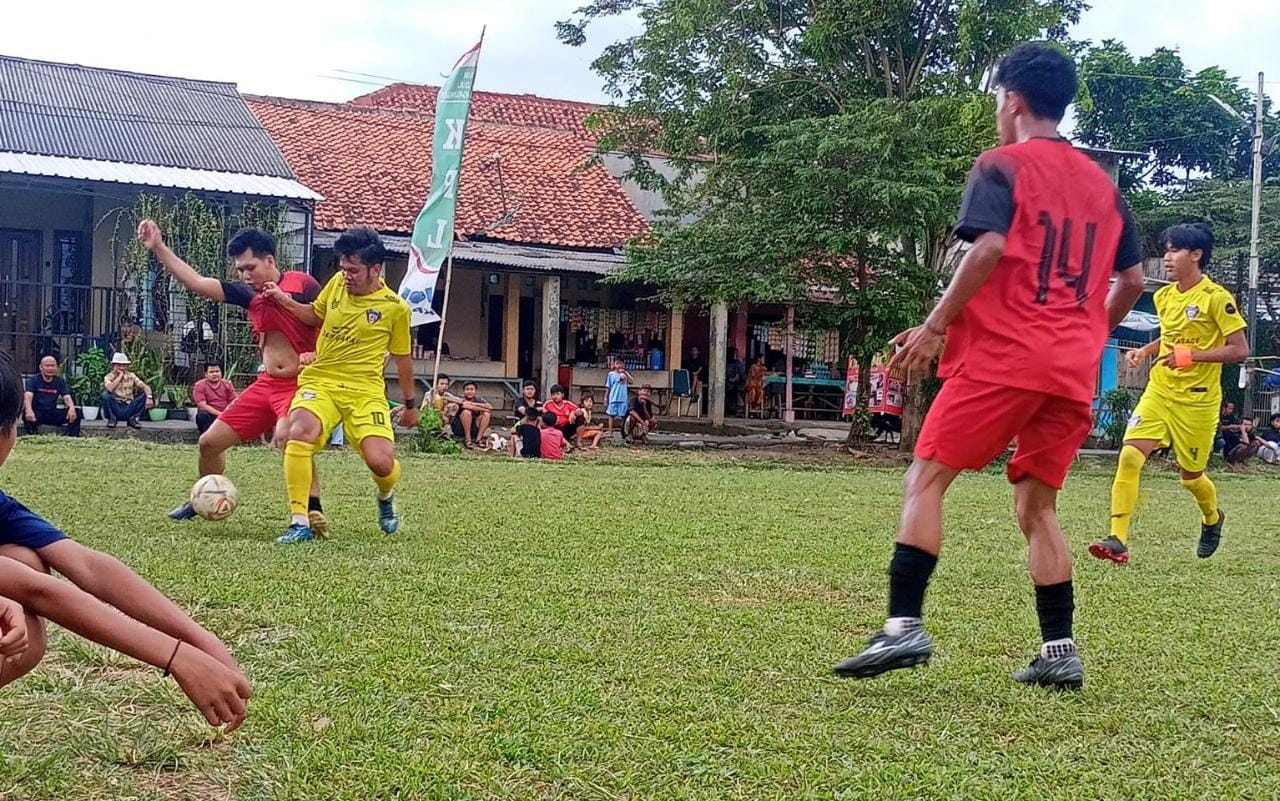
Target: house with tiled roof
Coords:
[[540, 223], [78, 147]]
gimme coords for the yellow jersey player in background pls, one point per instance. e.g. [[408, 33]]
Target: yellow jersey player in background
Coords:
[[360, 322], [1200, 330]]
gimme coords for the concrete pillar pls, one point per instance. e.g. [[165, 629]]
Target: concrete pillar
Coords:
[[788, 410], [717, 358], [550, 332], [511, 329]]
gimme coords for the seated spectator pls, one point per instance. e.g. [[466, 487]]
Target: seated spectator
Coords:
[[1247, 445], [1228, 430], [474, 415], [588, 430], [568, 415], [551, 439], [528, 400], [126, 396], [526, 439], [444, 401], [212, 395], [640, 419], [40, 401], [1269, 447]]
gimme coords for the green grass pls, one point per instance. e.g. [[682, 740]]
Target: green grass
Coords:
[[646, 627]]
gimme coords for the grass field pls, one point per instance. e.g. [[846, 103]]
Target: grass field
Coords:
[[646, 627]]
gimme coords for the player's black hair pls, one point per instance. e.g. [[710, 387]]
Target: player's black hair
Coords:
[[646, 386], [1190, 236], [1275, 417], [557, 388], [11, 389], [1044, 75], [547, 419], [587, 396], [261, 242], [471, 384], [362, 243]]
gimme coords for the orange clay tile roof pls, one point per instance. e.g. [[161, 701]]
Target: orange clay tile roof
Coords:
[[530, 110], [372, 165]]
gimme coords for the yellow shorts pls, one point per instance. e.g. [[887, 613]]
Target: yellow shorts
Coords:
[[363, 412], [1189, 429]]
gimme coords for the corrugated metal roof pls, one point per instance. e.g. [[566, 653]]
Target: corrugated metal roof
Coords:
[[108, 115], [503, 254], [231, 183]]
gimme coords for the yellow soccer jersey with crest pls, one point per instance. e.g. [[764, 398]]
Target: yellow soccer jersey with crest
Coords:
[[1200, 319], [357, 334]]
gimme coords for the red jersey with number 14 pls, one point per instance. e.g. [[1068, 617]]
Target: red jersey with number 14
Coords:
[[1039, 322]]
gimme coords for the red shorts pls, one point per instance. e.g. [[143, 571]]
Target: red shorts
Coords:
[[255, 411], [973, 422]]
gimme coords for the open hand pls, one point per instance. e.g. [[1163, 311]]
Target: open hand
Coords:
[[71, 414], [13, 629], [149, 235], [272, 292], [219, 692], [919, 347], [1133, 358]]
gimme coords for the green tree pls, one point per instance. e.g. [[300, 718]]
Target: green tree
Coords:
[[817, 143]]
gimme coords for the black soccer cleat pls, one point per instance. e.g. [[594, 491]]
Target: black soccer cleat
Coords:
[[1210, 537], [183, 512], [886, 652], [1064, 672], [1111, 549]]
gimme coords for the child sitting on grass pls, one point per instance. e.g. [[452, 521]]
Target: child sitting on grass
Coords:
[[143, 624], [641, 419], [589, 431], [552, 440], [526, 438]]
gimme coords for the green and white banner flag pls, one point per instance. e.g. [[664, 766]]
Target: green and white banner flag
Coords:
[[433, 230]]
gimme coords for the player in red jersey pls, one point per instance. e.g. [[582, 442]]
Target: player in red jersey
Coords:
[[281, 338], [1025, 319]]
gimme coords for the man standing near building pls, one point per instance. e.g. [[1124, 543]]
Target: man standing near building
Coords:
[[40, 401]]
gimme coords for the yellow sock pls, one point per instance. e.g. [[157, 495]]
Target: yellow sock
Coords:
[[298, 470], [1206, 495], [388, 482], [1124, 491]]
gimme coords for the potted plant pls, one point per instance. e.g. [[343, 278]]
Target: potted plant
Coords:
[[180, 396], [85, 382]]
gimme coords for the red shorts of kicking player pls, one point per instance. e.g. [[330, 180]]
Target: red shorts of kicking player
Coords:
[[972, 422], [255, 411]]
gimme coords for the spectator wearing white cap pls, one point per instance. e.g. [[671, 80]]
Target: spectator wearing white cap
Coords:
[[126, 395]]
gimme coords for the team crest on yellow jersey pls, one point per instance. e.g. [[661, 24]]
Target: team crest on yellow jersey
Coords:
[[373, 316]]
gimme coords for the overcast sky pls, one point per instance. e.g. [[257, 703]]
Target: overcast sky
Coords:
[[283, 47]]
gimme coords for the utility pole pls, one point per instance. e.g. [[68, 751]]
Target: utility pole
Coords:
[[1253, 240]]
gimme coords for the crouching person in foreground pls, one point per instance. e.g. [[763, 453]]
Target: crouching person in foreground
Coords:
[[102, 600]]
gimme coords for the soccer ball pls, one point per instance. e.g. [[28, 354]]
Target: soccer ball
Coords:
[[214, 497]]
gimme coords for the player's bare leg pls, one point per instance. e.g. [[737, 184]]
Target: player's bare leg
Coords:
[[1049, 559], [299, 473], [1124, 499], [380, 455], [903, 642]]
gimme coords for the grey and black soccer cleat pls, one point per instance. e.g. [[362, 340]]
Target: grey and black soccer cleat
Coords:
[[887, 652], [1064, 672], [1111, 549], [1210, 536]]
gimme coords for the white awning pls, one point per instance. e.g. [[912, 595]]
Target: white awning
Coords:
[[514, 256], [117, 172]]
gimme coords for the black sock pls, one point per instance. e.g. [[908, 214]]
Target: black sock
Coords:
[[313, 504], [1055, 604], [909, 572]]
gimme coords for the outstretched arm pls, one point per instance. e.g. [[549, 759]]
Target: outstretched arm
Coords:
[[151, 238]]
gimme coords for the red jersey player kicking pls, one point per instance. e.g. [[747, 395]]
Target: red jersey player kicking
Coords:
[[1025, 319], [281, 338]]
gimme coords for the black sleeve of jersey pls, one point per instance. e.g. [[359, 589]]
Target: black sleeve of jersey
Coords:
[[1129, 251], [988, 201], [237, 294]]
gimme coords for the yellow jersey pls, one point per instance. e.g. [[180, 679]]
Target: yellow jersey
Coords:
[[357, 333], [1200, 319]]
